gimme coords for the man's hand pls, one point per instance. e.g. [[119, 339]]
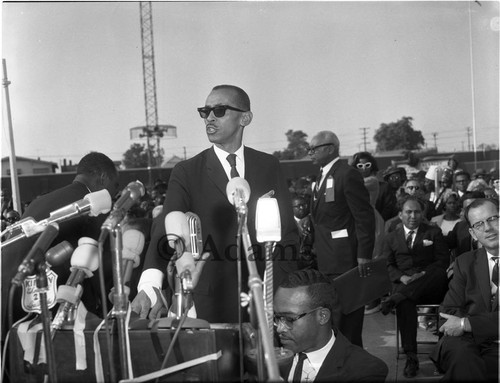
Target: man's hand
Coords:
[[142, 305], [452, 326], [364, 267], [406, 279]]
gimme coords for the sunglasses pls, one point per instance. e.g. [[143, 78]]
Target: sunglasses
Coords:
[[413, 187], [219, 110], [366, 165]]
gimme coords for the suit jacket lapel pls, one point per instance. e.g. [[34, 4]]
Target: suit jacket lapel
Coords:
[[482, 269], [215, 171], [321, 191], [334, 361]]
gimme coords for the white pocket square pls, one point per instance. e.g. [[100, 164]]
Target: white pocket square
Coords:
[[427, 242]]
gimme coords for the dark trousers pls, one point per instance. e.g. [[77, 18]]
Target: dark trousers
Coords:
[[428, 289], [464, 360], [351, 325]]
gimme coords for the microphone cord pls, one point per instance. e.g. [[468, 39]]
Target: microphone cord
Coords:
[[172, 342], [107, 329]]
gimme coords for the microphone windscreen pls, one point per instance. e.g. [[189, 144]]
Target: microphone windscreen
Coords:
[[86, 255], [133, 244], [176, 226], [100, 202], [185, 262], [267, 220], [235, 184], [59, 254]]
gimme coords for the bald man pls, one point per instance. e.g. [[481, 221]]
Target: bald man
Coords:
[[343, 219]]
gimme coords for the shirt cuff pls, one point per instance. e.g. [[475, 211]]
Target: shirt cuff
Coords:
[[150, 278]]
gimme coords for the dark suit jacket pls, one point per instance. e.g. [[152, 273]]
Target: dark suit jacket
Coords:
[[460, 240], [386, 203], [347, 362], [351, 210], [71, 230], [469, 295], [199, 185], [429, 250]]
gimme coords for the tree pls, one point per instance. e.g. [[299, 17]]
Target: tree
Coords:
[[297, 145], [398, 135], [137, 157]]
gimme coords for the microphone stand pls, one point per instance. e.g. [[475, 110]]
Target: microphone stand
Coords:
[[255, 285], [42, 286], [120, 298]]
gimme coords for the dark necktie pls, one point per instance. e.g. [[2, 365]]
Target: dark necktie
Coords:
[[317, 184], [494, 273], [409, 239], [297, 374], [231, 158]]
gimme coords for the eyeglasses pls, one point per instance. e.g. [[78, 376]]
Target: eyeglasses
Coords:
[[411, 187], [366, 165], [289, 320], [480, 226], [394, 177], [219, 110], [312, 149]]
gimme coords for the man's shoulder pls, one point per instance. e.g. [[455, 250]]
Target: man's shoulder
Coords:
[[470, 256], [258, 155]]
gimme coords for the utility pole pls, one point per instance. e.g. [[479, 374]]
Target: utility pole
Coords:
[[364, 136], [469, 132], [435, 143]]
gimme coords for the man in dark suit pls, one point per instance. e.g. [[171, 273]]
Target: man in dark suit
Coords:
[[199, 185], [94, 172], [417, 258], [343, 221], [304, 305], [469, 349]]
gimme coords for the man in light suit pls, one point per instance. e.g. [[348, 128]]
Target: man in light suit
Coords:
[[343, 221], [469, 349], [417, 258], [198, 185], [304, 305]]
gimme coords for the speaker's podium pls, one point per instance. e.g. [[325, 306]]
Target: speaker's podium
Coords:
[[148, 347]]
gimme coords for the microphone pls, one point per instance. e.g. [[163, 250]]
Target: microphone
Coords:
[[93, 204], [133, 244], [177, 230], [132, 193], [238, 193], [84, 262], [267, 220], [37, 254], [196, 239], [59, 254]]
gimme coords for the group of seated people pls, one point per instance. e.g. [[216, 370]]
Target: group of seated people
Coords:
[[433, 234]]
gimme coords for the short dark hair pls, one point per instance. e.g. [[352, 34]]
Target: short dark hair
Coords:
[[477, 203], [242, 100], [320, 288], [367, 156], [472, 195], [461, 173], [401, 201], [96, 163]]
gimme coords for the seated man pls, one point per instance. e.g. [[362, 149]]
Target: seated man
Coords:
[[469, 349], [304, 305], [417, 257]]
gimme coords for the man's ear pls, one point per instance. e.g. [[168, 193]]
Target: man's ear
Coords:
[[324, 316], [246, 118], [472, 234]]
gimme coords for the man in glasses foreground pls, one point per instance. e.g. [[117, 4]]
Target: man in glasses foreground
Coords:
[[198, 185], [304, 305], [468, 351]]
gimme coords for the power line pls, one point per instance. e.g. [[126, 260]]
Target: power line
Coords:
[[364, 137]]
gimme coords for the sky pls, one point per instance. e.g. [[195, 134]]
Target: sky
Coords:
[[76, 80]]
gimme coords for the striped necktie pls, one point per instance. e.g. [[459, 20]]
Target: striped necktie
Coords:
[[494, 273], [409, 239]]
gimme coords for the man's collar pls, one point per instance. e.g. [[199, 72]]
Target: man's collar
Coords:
[[329, 165], [408, 230], [223, 154]]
